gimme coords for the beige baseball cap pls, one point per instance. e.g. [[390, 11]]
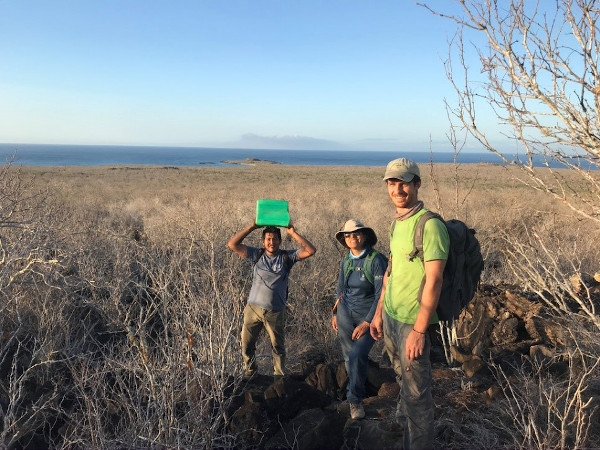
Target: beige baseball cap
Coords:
[[402, 169]]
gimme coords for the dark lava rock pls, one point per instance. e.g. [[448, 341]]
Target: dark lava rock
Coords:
[[249, 422], [286, 397], [323, 379], [389, 389], [311, 429]]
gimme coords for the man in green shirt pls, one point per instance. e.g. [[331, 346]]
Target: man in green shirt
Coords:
[[411, 289]]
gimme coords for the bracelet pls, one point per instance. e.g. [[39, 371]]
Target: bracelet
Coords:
[[418, 332]]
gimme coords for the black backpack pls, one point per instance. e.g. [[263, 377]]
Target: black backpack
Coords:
[[463, 267]]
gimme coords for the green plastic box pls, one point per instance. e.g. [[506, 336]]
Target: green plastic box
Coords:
[[275, 213]]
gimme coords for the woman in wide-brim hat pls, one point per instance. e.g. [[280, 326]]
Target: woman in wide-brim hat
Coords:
[[359, 287]]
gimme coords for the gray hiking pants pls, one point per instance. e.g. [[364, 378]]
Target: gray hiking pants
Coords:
[[415, 409]]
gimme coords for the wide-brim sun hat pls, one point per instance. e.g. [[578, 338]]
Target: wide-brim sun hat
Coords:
[[356, 225], [402, 169]]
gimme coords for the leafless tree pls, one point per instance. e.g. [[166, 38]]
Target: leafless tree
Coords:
[[22, 210], [534, 66], [538, 72], [27, 306]]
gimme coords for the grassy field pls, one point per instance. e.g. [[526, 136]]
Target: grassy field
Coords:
[[118, 288], [321, 198], [177, 203]]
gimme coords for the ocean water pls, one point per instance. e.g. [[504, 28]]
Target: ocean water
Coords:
[[96, 155]]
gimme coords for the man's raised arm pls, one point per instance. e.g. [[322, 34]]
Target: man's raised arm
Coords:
[[235, 242], [306, 248]]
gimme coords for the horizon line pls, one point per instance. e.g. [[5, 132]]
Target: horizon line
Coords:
[[337, 150]]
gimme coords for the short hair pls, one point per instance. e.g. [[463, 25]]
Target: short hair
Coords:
[[274, 230], [416, 179]]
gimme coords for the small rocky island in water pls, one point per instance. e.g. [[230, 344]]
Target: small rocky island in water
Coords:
[[250, 162]]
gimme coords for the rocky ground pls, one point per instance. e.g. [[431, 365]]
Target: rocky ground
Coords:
[[306, 410], [297, 412], [500, 332]]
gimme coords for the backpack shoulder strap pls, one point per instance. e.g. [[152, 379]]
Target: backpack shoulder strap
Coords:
[[392, 228], [368, 265], [347, 267], [260, 253], [419, 232]]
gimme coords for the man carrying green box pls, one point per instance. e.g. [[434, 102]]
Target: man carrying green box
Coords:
[[268, 295]]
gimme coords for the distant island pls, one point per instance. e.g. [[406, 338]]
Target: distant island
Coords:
[[250, 161]]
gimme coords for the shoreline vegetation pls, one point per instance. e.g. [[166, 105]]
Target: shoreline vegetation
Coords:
[[120, 311]]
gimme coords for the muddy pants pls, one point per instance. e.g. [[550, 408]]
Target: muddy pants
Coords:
[[416, 402]]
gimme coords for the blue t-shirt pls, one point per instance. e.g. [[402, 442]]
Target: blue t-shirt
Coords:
[[270, 276], [357, 292]]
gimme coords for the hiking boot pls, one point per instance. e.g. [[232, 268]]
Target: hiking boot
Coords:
[[357, 411]]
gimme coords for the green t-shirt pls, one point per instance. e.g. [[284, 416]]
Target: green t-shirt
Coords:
[[405, 284]]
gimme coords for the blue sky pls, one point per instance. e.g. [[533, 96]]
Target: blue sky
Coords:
[[226, 73]]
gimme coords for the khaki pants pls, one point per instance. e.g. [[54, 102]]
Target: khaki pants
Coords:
[[255, 318]]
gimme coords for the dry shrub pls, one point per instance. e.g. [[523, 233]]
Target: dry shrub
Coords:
[[548, 409], [545, 409], [125, 331], [176, 362], [543, 258], [117, 341], [538, 247]]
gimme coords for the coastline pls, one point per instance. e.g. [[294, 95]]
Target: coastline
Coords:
[[86, 156], [239, 166]]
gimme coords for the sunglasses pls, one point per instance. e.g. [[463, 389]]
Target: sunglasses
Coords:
[[354, 234]]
